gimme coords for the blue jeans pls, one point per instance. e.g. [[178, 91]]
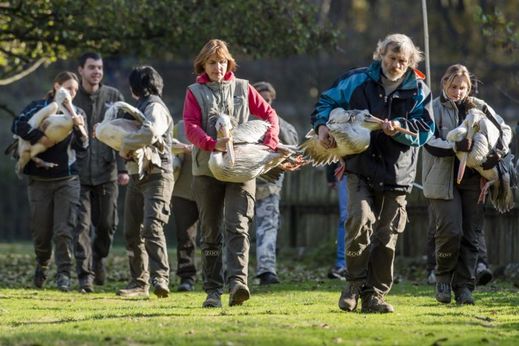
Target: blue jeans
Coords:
[[340, 260]]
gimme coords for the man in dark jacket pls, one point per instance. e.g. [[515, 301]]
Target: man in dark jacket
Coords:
[[100, 170], [380, 177]]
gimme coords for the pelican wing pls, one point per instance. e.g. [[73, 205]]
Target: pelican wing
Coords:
[[250, 132], [317, 154], [113, 111]]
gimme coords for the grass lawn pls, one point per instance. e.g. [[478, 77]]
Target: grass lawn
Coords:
[[300, 311]]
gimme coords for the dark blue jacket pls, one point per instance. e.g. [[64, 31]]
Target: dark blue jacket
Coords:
[[390, 162], [62, 153]]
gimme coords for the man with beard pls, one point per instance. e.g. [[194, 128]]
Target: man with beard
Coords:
[[379, 178]]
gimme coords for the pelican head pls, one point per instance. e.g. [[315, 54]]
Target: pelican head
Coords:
[[223, 127], [64, 101]]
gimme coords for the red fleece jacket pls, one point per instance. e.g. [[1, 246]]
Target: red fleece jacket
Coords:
[[257, 106]]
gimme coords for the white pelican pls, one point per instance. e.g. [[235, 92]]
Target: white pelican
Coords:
[[112, 130], [351, 130], [499, 180], [56, 127], [245, 158]]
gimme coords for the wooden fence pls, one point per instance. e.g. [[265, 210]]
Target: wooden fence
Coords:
[[309, 214]]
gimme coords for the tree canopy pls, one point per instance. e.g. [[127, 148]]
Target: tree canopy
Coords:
[[43, 31]]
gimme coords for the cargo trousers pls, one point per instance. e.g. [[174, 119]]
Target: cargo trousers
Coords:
[[226, 208], [53, 206], [375, 219], [146, 211], [96, 226], [459, 224]]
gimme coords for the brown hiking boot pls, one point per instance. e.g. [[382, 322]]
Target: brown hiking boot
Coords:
[[375, 303], [134, 290], [350, 296], [160, 287], [239, 293]]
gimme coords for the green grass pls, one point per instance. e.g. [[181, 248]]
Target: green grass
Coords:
[[302, 310]]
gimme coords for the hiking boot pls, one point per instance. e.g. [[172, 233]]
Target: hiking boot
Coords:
[[40, 275], [268, 278], [239, 293], [443, 292], [160, 287], [350, 296], [374, 303], [337, 273], [213, 300], [483, 274], [99, 272], [186, 285], [63, 282], [464, 297], [86, 284], [134, 290], [431, 277]]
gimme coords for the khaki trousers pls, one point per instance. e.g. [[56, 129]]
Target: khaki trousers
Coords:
[[146, 211]]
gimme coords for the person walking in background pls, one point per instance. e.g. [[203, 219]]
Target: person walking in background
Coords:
[[147, 203], [54, 189], [185, 213], [458, 216], [222, 204], [267, 201], [100, 170], [338, 271], [380, 177]]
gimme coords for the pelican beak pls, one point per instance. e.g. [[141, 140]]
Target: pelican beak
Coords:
[[230, 151], [461, 169], [69, 108]]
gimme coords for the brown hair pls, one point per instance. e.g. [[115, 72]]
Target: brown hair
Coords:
[[61, 78], [217, 48], [454, 71], [265, 86]]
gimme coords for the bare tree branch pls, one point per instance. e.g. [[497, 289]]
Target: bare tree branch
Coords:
[[24, 73]]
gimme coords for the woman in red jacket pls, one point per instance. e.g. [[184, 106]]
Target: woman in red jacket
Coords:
[[230, 205]]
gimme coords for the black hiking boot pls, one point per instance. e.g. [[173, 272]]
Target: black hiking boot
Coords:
[[443, 292], [464, 297], [213, 300], [40, 275]]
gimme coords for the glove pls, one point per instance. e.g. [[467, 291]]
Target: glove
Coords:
[[463, 145], [492, 159]]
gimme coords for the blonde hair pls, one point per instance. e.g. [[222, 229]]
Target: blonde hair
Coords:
[[454, 71], [216, 48], [399, 43]]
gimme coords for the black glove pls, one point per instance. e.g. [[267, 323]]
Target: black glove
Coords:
[[492, 160], [463, 145]]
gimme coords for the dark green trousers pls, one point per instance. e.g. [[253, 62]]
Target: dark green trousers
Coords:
[[459, 225], [53, 205], [375, 219], [96, 226], [229, 206]]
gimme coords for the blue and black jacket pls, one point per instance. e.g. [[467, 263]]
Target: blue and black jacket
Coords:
[[390, 162], [62, 153]]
